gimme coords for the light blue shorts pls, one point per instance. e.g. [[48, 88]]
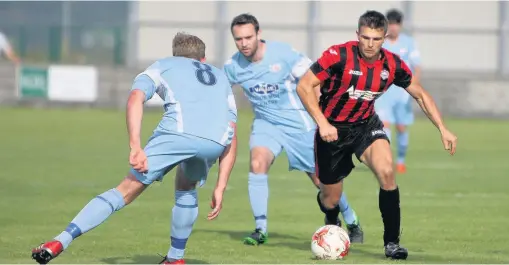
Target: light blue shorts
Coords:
[[165, 151], [395, 107], [299, 147]]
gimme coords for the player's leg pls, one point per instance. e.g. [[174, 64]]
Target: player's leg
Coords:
[[352, 221], [333, 164], [93, 214], [404, 118], [373, 149], [184, 215], [107, 203], [264, 148], [101, 207], [301, 156], [185, 210]]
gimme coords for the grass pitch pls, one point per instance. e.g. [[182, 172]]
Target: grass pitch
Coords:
[[454, 209]]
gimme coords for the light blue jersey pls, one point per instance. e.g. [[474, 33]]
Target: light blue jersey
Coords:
[[196, 125], [406, 49], [198, 98], [281, 121], [394, 106], [270, 85]]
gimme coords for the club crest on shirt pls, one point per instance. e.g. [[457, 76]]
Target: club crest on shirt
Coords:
[[384, 74], [275, 68]]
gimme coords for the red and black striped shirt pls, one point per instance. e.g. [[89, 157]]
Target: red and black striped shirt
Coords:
[[350, 85]]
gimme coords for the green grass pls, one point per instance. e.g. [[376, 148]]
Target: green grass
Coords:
[[454, 209]]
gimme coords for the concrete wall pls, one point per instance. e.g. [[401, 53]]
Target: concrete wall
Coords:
[[458, 42], [459, 36], [457, 95]]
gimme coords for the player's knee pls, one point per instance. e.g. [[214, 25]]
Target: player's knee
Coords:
[[259, 165], [330, 195], [386, 177], [330, 200], [401, 128]]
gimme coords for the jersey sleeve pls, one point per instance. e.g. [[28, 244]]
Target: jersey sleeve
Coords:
[[323, 67], [232, 106], [229, 71], [402, 74], [148, 82], [299, 63]]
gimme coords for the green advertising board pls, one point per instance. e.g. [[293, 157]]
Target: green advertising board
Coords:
[[32, 82]]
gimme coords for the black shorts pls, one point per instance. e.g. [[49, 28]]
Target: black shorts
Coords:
[[334, 160]]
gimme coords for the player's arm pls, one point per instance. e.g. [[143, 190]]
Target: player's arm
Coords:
[[227, 161], [12, 56], [300, 65], [8, 50], [426, 103], [404, 79], [306, 89], [143, 89], [228, 158], [318, 72]]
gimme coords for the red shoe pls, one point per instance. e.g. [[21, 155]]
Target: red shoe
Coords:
[[401, 168], [47, 251], [166, 261]]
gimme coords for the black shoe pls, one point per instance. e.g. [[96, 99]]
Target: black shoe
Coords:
[[332, 222], [355, 233], [256, 238], [395, 251]]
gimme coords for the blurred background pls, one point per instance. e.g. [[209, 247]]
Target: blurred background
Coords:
[[463, 44], [66, 71]]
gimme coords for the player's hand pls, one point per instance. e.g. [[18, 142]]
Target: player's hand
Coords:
[[328, 132], [138, 160], [449, 140], [216, 204]]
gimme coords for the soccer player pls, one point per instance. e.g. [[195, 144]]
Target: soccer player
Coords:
[[268, 72], [395, 106], [197, 128], [353, 75]]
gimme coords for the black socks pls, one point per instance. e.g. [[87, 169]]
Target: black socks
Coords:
[[388, 202]]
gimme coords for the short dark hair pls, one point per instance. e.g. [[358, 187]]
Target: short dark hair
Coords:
[[394, 16], [244, 19], [373, 19]]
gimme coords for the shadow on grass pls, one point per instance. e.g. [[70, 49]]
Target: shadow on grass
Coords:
[[368, 251], [144, 259]]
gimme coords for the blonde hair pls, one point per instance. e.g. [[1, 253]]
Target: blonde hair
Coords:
[[187, 45]]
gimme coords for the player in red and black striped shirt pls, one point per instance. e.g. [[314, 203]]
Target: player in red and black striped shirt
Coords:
[[352, 76]]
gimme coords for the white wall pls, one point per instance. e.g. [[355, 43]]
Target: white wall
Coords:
[[442, 28]]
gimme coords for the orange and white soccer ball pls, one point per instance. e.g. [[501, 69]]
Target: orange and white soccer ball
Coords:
[[330, 242]]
